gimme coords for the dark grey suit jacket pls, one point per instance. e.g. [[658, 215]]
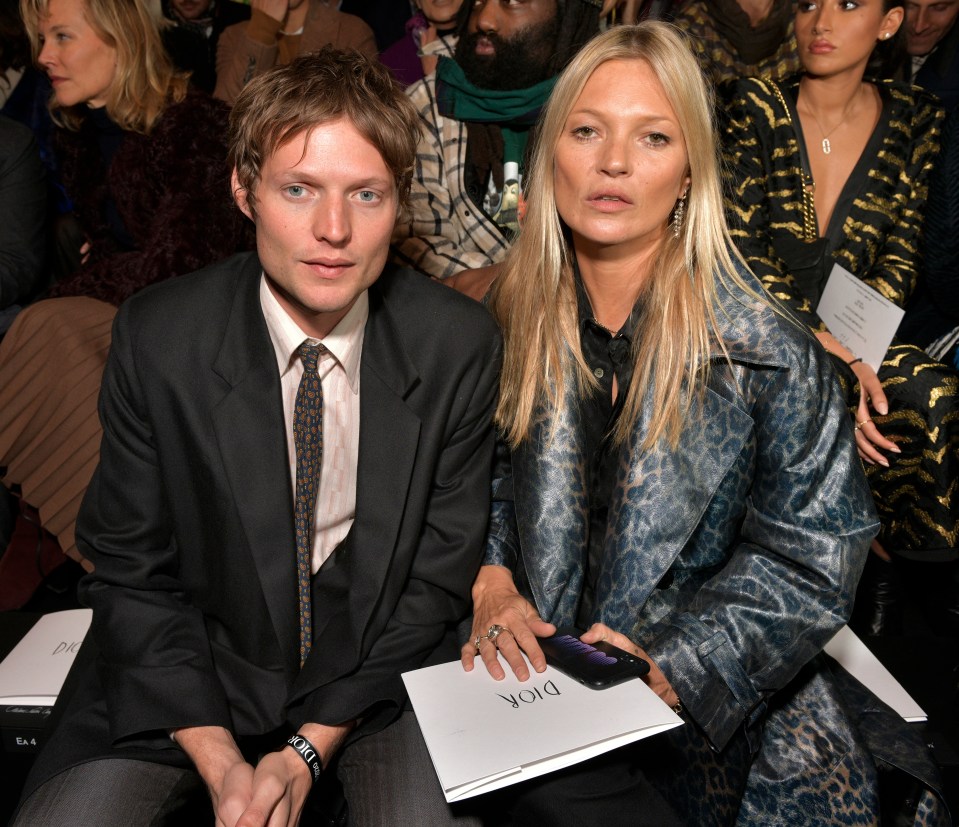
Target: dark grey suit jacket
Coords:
[[940, 72], [189, 518]]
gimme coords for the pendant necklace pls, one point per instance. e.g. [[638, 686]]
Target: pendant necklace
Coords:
[[826, 146]]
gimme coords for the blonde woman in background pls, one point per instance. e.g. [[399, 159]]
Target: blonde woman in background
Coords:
[[143, 160]]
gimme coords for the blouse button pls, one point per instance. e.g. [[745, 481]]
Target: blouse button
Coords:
[[599, 373]]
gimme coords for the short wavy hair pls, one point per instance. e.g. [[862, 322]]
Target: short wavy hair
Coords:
[[146, 81], [317, 88]]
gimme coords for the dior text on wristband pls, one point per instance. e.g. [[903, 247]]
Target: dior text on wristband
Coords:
[[308, 753]]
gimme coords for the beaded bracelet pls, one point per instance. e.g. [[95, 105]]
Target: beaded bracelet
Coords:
[[308, 753]]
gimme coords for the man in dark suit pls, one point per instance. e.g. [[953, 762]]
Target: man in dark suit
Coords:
[[932, 41], [214, 660]]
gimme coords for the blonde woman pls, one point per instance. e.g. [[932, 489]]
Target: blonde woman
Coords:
[[678, 475], [143, 161]]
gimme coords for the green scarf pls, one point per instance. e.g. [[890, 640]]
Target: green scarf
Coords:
[[459, 99], [513, 110]]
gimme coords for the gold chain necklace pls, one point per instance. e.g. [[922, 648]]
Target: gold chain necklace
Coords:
[[826, 146]]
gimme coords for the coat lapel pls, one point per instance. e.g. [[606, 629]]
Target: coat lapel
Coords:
[[552, 510], [248, 423], [658, 503], [660, 495]]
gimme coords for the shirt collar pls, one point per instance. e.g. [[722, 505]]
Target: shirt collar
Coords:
[[344, 342], [586, 317]]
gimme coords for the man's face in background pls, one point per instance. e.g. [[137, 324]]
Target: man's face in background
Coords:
[[928, 22], [509, 43]]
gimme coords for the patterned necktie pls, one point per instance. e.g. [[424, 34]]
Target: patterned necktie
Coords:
[[308, 440]]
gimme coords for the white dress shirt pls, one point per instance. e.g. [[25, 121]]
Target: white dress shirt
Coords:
[[339, 369]]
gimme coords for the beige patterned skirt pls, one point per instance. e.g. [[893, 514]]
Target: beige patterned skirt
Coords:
[[51, 364]]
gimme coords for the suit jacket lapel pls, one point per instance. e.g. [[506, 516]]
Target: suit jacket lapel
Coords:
[[389, 439], [249, 428]]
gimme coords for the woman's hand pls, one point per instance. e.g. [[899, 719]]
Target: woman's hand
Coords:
[[496, 602], [655, 678], [871, 395], [868, 437], [428, 62]]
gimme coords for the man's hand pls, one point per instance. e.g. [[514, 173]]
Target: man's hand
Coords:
[[273, 794], [280, 785], [233, 796], [220, 763], [496, 602], [282, 780]]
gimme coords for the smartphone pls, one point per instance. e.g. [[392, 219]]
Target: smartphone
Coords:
[[596, 665]]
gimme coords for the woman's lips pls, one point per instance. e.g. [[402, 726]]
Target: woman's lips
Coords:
[[608, 201]]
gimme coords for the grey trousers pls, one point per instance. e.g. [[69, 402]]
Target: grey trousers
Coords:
[[387, 778]]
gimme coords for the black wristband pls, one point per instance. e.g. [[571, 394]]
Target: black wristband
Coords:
[[852, 362], [308, 753]]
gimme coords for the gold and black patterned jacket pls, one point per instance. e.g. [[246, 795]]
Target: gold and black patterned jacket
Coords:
[[876, 226], [718, 57]]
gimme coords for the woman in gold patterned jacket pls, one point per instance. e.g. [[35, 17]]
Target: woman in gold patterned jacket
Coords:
[[829, 168]]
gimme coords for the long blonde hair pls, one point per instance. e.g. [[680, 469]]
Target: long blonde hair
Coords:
[[145, 82], [534, 298]]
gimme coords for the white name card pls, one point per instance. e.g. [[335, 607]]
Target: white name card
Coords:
[[861, 318]]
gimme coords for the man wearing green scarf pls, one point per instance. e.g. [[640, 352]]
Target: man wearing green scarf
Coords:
[[478, 111]]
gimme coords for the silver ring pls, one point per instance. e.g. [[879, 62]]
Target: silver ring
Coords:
[[492, 633], [496, 630]]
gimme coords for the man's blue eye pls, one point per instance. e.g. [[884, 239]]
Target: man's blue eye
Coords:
[[295, 190]]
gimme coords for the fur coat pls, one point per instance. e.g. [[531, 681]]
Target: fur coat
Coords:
[[171, 190]]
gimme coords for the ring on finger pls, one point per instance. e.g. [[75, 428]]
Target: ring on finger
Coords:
[[859, 424], [495, 631]]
